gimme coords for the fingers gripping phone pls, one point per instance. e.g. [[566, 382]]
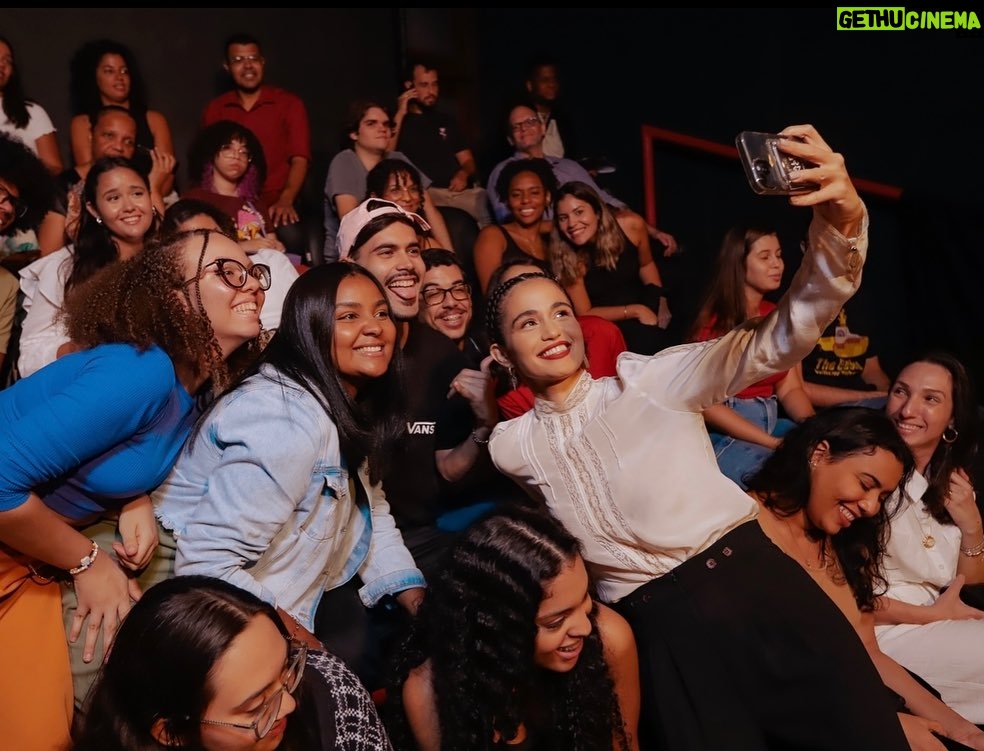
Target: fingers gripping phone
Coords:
[[769, 170]]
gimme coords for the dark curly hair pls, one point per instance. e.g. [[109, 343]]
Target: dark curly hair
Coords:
[[19, 166], [477, 628], [162, 668], [95, 247], [783, 484], [538, 166], [135, 302], [962, 450], [210, 140], [83, 88]]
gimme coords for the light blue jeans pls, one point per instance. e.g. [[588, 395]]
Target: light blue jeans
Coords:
[[738, 459]]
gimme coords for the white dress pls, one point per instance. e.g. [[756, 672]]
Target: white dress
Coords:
[[947, 654], [43, 331]]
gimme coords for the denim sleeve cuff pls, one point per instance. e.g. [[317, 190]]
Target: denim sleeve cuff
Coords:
[[390, 584]]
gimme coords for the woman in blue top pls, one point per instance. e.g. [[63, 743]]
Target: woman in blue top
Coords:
[[89, 436], [278, 489]]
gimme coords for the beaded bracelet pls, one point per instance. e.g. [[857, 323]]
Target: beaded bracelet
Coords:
[[974, 551], [86, 561], [479, 441]]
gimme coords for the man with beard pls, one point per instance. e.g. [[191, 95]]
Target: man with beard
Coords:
[[432, 140], [280, 121], [451, 411]]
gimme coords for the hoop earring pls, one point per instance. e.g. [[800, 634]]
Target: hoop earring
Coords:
[[953, 437]]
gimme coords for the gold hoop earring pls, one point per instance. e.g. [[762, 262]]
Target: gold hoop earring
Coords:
[[953, 437]]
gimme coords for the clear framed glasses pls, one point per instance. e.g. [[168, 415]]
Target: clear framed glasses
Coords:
[[266, 715], [236, 152], [436, 295], [530, 122], [234, 274], [16, 205]]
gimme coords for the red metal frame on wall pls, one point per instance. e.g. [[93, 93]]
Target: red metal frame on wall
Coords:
[[652, 134]]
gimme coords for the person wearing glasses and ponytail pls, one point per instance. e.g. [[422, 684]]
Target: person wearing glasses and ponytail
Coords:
[[85, 440], [202, 664]]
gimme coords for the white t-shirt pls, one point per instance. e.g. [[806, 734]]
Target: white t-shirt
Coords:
[[38, 125]]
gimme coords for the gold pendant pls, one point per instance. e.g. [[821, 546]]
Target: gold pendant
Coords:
[[929, 541]]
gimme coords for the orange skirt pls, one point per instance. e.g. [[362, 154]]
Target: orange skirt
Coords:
[[35, 677]]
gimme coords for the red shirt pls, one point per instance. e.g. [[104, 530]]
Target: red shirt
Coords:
[[279, 120], [765, 387]]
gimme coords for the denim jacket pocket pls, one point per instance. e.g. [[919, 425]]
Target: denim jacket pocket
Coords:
[[327, 506]]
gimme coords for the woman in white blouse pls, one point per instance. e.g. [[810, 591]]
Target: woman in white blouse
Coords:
[[937, 541], [626, 464]]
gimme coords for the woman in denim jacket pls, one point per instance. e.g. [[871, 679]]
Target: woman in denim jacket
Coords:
[[277, 490]]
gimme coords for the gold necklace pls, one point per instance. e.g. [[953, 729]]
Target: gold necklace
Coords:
[[822, 562]]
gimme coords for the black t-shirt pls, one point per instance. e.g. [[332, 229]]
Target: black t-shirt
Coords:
[[430, 140], [413, 486], [839, 356]]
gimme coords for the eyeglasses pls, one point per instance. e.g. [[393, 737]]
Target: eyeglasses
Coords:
[[436, 295], [16, 205], [530, 122], [234, 274], [236, 152], [399, 190], [266, 715], [240, 59]]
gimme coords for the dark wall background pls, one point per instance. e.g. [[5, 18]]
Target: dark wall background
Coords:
[[904, 108]]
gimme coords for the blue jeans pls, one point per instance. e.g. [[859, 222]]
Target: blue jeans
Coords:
[[738, 459]]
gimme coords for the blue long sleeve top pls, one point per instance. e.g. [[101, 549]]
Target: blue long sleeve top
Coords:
[[92, 430]]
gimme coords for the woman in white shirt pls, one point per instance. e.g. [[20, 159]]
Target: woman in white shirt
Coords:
[[937, 541], [23, 118]]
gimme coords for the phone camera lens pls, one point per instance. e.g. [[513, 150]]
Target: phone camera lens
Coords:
[[761, 168]]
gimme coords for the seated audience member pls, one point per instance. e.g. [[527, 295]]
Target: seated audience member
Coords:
[[23, 118], [432, 139], [525, 133], [227, 169], [188, 214], [746, 427], [113, 134], [248, 505], [117, 220], [85, 439], [8, 310], [603, 343], [510, 649], [450, 410], [199, 663], [279, 120], [527, 187], [104, 72], [543, 86], [364, 144], [843, 367], [825, 504], [27, 190], [399, 181], [936, 548], [605, 263], [674, 545]]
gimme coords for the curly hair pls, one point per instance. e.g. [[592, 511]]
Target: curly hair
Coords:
[[210, 140], [407, 176], [83, 87], [144, 302], [783, 483], [724, 302], [20, 167], [537, 166], [962, 450], [162, 666], [95, 246], [570, 262], [477, 628]]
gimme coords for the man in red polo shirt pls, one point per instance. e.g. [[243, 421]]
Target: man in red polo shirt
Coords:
[[280, 121]]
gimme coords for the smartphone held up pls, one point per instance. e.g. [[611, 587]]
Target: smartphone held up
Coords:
[[770, 170]]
